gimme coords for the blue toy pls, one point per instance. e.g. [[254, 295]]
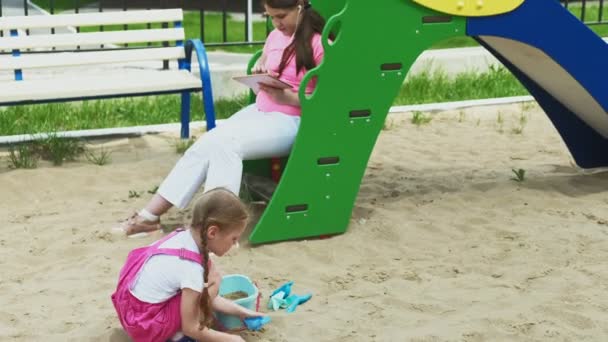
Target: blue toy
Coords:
[[256, 323], [281, 298], [277, 301], [285, 288], [294, 300]]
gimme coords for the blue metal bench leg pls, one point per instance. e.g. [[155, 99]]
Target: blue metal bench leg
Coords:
[[185, 117], [203, 65]]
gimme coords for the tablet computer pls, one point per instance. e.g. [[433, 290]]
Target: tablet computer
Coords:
[[253, 81]]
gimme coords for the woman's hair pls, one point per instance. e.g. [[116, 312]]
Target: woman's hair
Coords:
[[311, 22], [221, 208]]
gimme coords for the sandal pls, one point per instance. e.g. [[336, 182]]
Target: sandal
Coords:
[[135, 226]]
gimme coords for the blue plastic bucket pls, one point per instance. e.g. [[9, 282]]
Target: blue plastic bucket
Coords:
[[232, 283]]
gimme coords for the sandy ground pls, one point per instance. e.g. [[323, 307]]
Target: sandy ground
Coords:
[[443, 245]]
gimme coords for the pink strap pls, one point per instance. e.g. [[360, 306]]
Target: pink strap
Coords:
[[170, 235], [182, 253]]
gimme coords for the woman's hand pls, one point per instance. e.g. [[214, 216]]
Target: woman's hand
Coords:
[[282, 96], [260, 65]]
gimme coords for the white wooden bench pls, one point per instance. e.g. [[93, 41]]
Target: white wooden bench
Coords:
[[73, 66]]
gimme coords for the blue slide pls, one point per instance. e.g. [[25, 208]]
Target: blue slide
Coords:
[[562, 63]]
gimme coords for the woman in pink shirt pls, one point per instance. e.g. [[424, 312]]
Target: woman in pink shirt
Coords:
[[264, 129]]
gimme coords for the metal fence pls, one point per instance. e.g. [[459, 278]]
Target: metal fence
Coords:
[[591, 12], [226, 9]]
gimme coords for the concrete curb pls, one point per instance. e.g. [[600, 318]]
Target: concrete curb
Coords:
[[175, 127]]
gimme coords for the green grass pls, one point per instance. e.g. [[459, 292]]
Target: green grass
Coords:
[[439, 87], [213, 31], [58, 150], [101, 157], [22, 156], [519, 175], [592, 15], [181, 145], [53, 117], [122, 112], [419, 118]]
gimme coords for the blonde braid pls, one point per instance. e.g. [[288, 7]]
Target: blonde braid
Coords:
[[224, 210], [206, 316]]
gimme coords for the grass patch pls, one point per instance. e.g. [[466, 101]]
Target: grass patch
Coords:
[[135, 194], [522, 121], [500, 122], [461, 116], [52, 148], [101, 157], [520, 175], [437, 86], [389, 124], [58, 150], [150, 110], [592, 14], [418, 118], [181, 145], [22, 157]]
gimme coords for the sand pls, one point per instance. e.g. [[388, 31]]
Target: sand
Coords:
[[443, 245]]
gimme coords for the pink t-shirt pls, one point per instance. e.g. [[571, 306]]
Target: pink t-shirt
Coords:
[[273, 49]]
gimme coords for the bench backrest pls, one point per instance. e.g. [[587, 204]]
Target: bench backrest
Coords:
[[15, 45]]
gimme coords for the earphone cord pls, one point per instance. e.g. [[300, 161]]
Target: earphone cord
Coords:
[[306, 6]]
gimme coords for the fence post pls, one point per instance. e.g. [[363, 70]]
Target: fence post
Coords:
[[249, 20]]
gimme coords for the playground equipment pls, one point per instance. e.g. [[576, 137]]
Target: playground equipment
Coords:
[[561, 63]]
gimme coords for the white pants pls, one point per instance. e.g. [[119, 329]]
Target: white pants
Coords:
[[216, 158]]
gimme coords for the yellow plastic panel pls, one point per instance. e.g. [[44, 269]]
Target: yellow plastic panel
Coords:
[[471, 8]]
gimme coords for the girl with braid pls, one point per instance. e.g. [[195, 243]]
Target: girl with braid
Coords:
[[167, 291], [266, 128]]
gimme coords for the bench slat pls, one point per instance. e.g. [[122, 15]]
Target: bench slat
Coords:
[[91, 86], [91, 38], [90, 19], [61, 59]]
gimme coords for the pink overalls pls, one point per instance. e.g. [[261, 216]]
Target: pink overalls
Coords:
[[148, 322]]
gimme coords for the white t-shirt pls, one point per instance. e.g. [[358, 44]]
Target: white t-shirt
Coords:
[[162, 276]]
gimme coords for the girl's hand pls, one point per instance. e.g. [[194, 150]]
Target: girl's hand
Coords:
[[245, 313], [235, 338], [282, 96], [213, 281]]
